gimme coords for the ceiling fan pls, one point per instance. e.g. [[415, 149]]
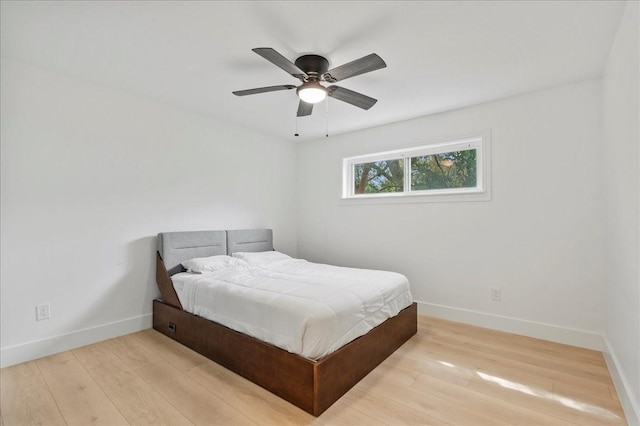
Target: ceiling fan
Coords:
[[313, 69]]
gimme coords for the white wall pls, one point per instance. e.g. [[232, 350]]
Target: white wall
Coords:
[[621, 135], [89, 176], [540, 238]]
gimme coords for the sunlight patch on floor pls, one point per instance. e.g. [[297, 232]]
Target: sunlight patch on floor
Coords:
[[567, 402]]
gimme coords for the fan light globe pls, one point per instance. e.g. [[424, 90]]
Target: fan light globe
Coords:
[[312, 92]]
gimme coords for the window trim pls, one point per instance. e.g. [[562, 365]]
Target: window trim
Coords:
[[481, 192]]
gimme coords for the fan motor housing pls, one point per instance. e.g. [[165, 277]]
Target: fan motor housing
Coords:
[[313, 65]]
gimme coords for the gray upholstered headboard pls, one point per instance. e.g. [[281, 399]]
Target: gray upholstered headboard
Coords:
[[176, 247], [249, 240]]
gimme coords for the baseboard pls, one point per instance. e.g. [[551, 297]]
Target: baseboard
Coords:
[[553, 333], [628, 401], [52, 345]]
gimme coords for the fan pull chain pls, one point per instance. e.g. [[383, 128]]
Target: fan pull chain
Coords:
[[326, 134], [296, 133]]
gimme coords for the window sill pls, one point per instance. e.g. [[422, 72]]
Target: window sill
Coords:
[[417, 198]]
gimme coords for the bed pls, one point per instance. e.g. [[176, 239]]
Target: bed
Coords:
[[311, 384]]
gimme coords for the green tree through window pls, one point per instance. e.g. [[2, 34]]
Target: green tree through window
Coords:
[[380, 176], [447, 170]]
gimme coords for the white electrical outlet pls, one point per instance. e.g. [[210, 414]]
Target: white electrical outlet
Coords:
[[496, 294], [43, 312]]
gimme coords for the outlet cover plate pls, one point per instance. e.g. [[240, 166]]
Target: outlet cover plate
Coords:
[[43, 312], [496, 294]]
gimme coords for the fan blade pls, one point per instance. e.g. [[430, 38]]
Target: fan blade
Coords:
[[304, 109], [359, 66], [263, 90], [277, 59], [351, 97]]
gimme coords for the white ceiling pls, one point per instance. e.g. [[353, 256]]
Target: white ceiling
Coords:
[[439, 55]]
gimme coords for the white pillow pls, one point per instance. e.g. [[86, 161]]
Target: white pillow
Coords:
[[200, 265], [261, 257]]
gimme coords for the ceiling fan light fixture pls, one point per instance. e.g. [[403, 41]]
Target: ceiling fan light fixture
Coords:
[[311, 70], [312, 92]]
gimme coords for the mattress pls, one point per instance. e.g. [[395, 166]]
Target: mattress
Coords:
[[306, 308]]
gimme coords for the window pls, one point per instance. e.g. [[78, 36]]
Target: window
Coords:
[[444, 169], [379, 177]]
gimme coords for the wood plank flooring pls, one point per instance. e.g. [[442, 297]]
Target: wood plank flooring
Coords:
[[448, 374]]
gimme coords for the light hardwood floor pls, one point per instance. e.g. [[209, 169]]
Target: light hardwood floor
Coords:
[[448, 373]]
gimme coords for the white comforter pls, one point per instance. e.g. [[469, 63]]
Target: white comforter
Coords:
[[306, 308]]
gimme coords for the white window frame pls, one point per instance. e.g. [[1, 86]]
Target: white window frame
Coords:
[[481, 192]]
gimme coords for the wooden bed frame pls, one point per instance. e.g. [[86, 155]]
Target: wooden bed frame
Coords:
[[310, 385]]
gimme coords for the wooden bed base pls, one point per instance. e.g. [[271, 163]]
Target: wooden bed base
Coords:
[[311, 385]]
